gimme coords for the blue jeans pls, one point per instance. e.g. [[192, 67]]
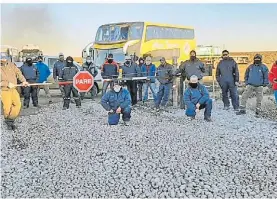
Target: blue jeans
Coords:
[[226, 87], [113, 119], [275, 94], [163, 94], [152, 88], [190, 111]]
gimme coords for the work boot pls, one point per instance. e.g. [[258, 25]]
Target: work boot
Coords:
[[241, 112], [258, 113], [78, 103], [126, 123], [226, 108], [50, 102], [66, 103], [36, 105], [10, 124], [208, 119], [25, 106]]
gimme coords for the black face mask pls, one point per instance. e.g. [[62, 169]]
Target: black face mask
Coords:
[[128, 62], [29, 63], [110, 61], [193, 85], [39, 61], [69, 63], [193, 57], [257, 62]]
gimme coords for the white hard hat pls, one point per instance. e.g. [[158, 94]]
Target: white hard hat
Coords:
[[193, 79]]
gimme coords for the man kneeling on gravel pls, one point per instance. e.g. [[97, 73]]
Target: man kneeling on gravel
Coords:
[[197, 97], [117, 101]]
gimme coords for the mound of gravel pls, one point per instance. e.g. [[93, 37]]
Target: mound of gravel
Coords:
[[74, 153]]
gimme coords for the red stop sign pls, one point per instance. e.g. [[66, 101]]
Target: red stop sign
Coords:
[[83, 81]]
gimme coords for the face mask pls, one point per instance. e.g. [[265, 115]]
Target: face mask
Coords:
[[148, 63], [257, 62], [69, 63], [110, 61], [88, 61], [117, 88], [192, 57], [128, 62], [193, 85], [141, 62]]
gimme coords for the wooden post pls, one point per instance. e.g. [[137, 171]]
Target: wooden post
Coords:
[[175, 83]]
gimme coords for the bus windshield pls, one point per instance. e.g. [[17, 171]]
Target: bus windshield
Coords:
[[100, 55], [119, 32]]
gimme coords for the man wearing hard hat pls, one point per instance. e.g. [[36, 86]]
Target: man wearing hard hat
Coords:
[[197, 97], [9, 96]]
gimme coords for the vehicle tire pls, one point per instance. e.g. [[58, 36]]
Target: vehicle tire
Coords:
[[95, 90]]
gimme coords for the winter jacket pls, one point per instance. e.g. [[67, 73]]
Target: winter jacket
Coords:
[[10, 73], [165, 74], [149, 71], [112, 100], [273, 76], [190, 68], [44, 72], [131, 71], [192, 96], [68, 73], [31, 73], [227, 71], [58, 66], [91, 68], [109, 70], [256, 75]]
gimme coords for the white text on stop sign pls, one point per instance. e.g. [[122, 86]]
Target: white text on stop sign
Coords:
[[83, 81]]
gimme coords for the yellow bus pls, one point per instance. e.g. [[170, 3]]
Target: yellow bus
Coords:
[[141, 39]]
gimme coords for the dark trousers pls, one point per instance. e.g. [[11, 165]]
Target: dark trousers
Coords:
[[133, 89], [30, 91], [227, 87], [140, 86], [113, 118], [68, 89], [208, 105]]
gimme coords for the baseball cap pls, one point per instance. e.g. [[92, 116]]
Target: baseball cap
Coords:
[[162, 59]]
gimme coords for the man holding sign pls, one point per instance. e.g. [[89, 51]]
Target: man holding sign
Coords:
[[9, 96], [67, 74]]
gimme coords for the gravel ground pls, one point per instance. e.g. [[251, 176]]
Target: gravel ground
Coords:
[[164, 156]]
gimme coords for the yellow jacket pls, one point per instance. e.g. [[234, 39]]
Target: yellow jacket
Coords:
[[10, 73]]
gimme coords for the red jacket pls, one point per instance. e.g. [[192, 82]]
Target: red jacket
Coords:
[[273, 76]]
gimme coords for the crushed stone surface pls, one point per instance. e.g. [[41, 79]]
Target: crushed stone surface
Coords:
[[74, 153]]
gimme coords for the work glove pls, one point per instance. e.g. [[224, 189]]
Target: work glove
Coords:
[[11, 85], [118, 110], [237, 83], [111, 111]]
